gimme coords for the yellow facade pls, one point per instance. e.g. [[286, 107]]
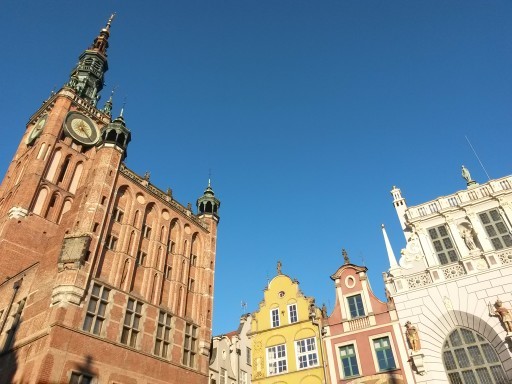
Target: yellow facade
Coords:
[[286, 336]]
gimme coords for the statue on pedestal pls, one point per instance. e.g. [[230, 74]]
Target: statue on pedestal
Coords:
[[413, 338]]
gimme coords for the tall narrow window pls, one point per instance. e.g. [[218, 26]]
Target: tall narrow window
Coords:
[[111, 242], [384, 353], [276, 360], [141, 258], [41, 198], [349, 361], [355, 305], [243, 377], [163, 335], [131, 323], [15, 324], [117, 215], [443, 244], [63, 169], [248, 355], [223, 376], [274, 317], [96, 309], [496, 229], [307, 355], [190, 345], [76, 178], [292, 313], [50, 175]]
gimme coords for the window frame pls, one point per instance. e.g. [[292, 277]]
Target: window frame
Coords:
[[223, 376], [299, 354], [341, 368], [441, 239], [276, 360], [349, 311], [94, 316], [111, 242], [391, 347], [243, 377], [248, 352], [190, 345], [79, 377], [453, 367], [132, 329], [498, 236], [277, 322], [164, 326], [290, 306]]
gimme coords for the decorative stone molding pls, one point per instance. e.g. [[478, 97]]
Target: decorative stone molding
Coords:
[[417, 363], [17, 213], [419, 280]]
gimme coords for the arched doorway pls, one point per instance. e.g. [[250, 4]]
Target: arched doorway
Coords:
[[470, 359]]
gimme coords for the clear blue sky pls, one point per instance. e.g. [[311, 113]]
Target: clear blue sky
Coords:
[[306, 112]]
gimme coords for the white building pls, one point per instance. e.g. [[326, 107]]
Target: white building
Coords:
[[230, 360], [456, 264]]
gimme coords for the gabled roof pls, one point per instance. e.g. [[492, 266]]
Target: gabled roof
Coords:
[[340, 270]]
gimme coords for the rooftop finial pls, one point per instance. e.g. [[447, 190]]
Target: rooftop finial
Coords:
[[122, 108], [345, 256], [109, 22]]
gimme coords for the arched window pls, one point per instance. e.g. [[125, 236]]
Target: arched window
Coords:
[[38, 207], [51, 207], [470, 358], [76, 177], [53, 166], [66, 207], [41, 151]]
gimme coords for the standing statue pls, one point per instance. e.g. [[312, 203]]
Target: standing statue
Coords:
[[467, 235], [466, 175], [504, 315], [413, 337], [324, 311], [279, 266]]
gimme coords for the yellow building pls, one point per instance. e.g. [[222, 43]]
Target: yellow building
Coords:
[[285, 336]]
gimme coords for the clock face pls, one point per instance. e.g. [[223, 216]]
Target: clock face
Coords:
[[37, 129], [81, 128]]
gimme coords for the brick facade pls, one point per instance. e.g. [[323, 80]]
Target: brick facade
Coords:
[[103, 275]]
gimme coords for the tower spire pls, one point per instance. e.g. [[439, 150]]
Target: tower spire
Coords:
[[87, 78], [391, 254]]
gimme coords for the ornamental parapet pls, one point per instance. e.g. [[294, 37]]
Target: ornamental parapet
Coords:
[[162, 196], [461, 198]]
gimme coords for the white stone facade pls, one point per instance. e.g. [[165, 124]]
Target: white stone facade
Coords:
[[230, 361], [456, 264]]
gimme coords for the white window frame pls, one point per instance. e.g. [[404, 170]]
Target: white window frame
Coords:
[[243, 377], [391, 343], [223, 376], [298, 354], [272, 311], [347, 306], [276, 360], [290, 312]]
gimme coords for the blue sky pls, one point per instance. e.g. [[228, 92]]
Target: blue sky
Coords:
[[306, 112]]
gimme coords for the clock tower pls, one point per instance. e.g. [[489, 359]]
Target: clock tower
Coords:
[[103, 276]]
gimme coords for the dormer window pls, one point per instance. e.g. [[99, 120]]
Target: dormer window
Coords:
[[356, 307]]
